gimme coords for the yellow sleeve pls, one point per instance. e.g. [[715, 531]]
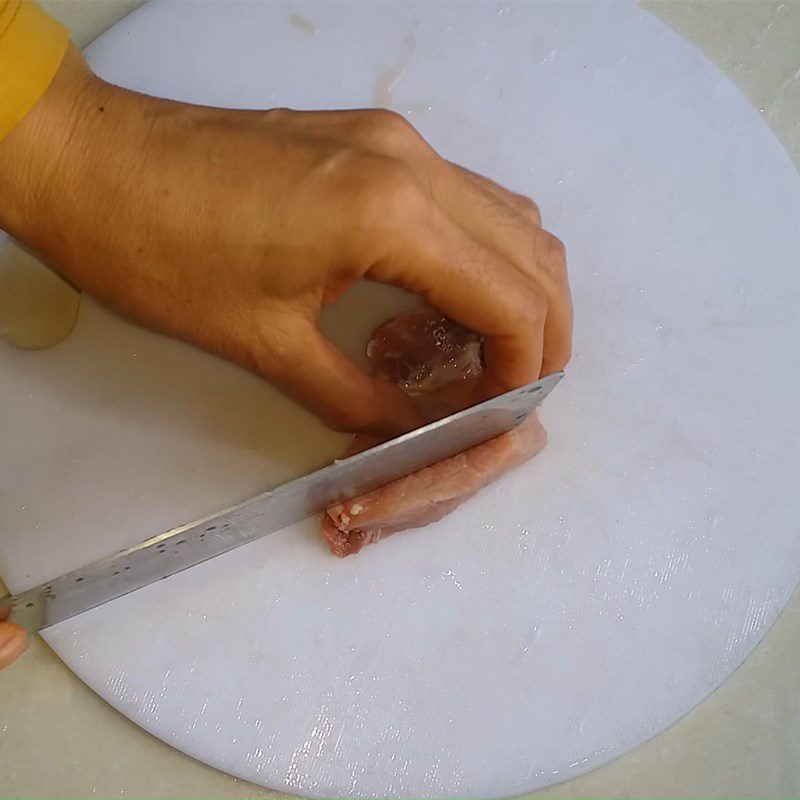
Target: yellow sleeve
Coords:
[[32, 45]]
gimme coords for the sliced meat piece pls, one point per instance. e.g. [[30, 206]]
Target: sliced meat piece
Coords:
[[428, 495], [438, 363]]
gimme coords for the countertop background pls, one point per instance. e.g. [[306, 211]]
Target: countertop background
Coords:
[[57, 738]]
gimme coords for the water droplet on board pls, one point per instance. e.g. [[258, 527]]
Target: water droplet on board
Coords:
[[451, 575]]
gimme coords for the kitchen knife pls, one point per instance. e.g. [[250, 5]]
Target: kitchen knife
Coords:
[[161, 556]]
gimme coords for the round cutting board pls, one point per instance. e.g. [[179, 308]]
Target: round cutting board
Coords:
[[570, 611]]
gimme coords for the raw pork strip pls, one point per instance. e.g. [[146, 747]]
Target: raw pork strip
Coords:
[[438, 363]]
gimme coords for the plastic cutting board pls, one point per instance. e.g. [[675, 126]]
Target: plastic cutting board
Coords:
[[571, 611]]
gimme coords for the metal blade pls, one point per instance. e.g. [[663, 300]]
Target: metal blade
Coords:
[[164, 555]]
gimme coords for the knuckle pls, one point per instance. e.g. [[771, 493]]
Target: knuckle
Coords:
[[531, 307], [389, 132], [387, 194], [552, 256], [528, 209], [555, 248]]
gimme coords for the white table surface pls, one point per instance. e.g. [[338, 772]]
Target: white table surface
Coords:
[[58, 739]]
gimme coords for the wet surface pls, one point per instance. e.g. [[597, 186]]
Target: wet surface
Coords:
[[38, 309]]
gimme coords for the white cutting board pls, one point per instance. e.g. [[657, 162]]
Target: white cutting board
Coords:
[[574, 609]]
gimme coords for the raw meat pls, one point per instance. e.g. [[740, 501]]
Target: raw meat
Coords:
[[428, 495], [431, 358], [438, 363]]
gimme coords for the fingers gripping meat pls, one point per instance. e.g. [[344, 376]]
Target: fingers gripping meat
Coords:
[[438, 363]]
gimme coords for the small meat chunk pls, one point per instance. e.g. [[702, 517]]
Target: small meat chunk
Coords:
[[438, 363], [431, 358]]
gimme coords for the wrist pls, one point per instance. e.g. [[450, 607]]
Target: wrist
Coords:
[[42, 157]]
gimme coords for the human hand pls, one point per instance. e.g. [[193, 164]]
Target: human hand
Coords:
[[13, 639], [233, 229]]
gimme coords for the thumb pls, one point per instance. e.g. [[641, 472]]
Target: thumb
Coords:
[[319, 376], [13, 643]]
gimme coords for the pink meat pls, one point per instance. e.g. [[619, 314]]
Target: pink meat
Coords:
[[431, 358], [428, 495], [438, 363]]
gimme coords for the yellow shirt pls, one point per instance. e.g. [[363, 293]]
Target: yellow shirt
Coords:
[[32, 45]]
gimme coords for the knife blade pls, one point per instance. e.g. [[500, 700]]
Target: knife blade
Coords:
[[183, 547]]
